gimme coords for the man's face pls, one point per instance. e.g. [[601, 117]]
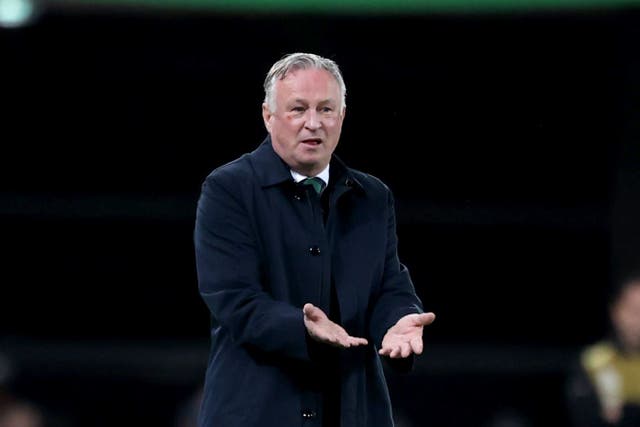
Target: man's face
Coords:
[[305, 126], [626, 317]]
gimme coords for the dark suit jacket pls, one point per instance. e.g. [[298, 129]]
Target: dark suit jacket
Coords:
[[584, 406], [262, 252]]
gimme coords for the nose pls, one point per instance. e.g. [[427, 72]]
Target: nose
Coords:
[[313, 120]]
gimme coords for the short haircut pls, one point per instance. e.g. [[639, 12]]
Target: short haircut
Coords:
[[300, 61]]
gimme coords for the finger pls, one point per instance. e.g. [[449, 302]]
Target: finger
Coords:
[[384, 351], [425, 319], [322, 331], [405, 350], [338, 342], [312, 312], [358, 341], [308, 309], [395, 352], [416, 345], [342, 339], [354, 342], [344, 343]]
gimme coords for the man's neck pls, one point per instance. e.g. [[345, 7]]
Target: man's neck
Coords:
[[322, 174]]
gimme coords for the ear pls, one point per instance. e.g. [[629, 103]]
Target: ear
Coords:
[[266, 116]]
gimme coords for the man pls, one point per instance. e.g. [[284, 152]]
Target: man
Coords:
[[297, 261], [604, 385]]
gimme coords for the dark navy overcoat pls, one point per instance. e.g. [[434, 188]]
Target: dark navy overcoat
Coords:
[[262, 252]]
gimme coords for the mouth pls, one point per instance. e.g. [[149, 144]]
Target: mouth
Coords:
[[312, 141]]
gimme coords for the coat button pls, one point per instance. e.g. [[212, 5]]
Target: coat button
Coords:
[[314, 250], [308, 414], [348, 182]]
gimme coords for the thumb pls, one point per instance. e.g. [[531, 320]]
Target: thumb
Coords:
[[425, 319], [311, 311]]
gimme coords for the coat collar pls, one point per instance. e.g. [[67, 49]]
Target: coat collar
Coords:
[[272, 170], [269, 167]]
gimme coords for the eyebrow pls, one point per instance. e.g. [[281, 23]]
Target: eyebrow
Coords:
[[302, 101]]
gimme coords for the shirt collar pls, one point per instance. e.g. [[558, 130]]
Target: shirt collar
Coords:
[[324, 175]]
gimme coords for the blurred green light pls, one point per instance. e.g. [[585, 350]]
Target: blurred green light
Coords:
[[15, 13]]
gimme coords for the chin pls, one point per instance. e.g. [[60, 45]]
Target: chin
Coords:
[[307, 167], [309, 162]]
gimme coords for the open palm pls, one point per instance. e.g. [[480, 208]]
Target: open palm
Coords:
[[405, 337], [322, 329]]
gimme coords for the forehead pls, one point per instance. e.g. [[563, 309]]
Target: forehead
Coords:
[[308, 84]]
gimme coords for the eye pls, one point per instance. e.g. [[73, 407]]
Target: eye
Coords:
[[327, 109], [297, 109]]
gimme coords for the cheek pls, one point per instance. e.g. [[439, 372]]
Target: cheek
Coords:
[[286, 130], [332, 123], [630, 322], [292, 127]]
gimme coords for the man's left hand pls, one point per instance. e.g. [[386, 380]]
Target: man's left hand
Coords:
[[405, 337]]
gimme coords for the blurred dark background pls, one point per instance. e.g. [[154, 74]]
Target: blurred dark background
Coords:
[[509, 139]]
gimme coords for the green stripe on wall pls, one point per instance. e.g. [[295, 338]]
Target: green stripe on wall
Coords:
[[371, 6]]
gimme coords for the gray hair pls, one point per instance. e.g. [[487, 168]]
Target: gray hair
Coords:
[[300, 61]]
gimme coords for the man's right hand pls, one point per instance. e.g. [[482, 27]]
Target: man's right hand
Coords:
[[323, 330]]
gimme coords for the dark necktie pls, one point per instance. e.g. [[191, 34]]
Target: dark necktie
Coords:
[[315, 182]]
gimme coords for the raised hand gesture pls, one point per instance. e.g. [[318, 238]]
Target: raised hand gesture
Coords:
[[323, 330], [405, 337]]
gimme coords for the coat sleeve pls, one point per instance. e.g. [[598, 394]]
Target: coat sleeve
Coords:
[[229, 277], [582, 400], [396, 296]]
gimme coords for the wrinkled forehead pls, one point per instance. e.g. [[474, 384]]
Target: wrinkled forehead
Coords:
[[309, 82]]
